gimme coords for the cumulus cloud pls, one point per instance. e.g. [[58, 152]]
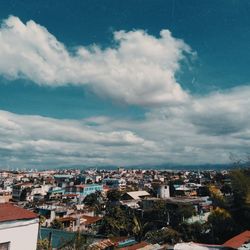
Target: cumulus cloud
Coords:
[[221, 113], [36, 139], [139, 69], [205, 130]]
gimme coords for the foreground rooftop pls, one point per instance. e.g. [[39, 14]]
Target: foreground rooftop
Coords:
[[9, 212]]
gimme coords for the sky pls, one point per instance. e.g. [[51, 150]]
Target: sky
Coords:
[[124, 83]]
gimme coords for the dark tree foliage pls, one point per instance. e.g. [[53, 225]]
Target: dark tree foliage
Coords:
[[114, 195], [222, 225], [91, 199], [195, 232], [241, 197], [164, 235], [56, 224], [115, 222]]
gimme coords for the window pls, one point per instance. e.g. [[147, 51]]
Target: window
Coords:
[[5, 246]]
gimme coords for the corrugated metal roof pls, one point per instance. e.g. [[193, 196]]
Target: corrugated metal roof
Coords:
[[137, 194]]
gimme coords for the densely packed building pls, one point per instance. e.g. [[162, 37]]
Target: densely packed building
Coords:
[[70, 202]]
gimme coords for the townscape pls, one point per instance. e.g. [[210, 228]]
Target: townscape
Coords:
[[124, 125], [127, 209]]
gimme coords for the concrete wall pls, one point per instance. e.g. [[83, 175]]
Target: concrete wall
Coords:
[[164, 192], [22, 234]]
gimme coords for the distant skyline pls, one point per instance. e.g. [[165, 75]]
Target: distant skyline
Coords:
[[128, 82]]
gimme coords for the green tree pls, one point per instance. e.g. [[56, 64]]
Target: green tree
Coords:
[[196, 232], [217, 197], [164, 235], [42, 219], [56, 224], [95, 200], [115, 222], [80, 242], [138, 227], [226, 189], [222, 225], [91, 199], [43, 244], [114, 195], [241, 197]]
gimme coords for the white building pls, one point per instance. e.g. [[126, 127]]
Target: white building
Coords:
[[18, 228], [114, 183], [163, 192]]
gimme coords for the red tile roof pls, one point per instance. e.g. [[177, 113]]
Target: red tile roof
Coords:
[[9, 212], [64, 219], [91, 219], [238, 240], [117, 239], [70, 195], [101, 244]]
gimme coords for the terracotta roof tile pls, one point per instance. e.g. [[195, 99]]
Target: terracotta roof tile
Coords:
[[238, 240], [9, 212], [63, 219], [91, 219]]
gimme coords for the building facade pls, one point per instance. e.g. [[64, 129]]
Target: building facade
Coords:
[[18, 228], [83, 190]]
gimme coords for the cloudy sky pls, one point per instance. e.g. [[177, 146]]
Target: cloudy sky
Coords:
[[97, 83]]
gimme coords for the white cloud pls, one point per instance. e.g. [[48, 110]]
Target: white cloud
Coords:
[[139, 69], [204, 130], [39, 140]]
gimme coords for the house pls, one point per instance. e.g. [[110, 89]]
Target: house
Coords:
[[69, 223], [51, 212], [135, 195], [90, 223], [113, 183], [5, 196], [18, 228], [83, 190], [20, 191], [80, 222], [63, 180], [55, 193]]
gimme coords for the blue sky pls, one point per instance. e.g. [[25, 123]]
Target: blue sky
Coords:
[[123, 82]]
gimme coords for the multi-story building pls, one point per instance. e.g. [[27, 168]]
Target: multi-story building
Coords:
[[83, 190], [20, 191], [18, 228], [115, 183]]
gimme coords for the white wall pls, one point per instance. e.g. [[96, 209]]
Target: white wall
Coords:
[[22, 234], [164, 192]]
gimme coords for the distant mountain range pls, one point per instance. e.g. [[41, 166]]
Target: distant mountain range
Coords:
[[158, 167]]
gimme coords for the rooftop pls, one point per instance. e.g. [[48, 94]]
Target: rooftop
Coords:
[[9, 212], [136, 195], [238, 240], [91, 219]]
